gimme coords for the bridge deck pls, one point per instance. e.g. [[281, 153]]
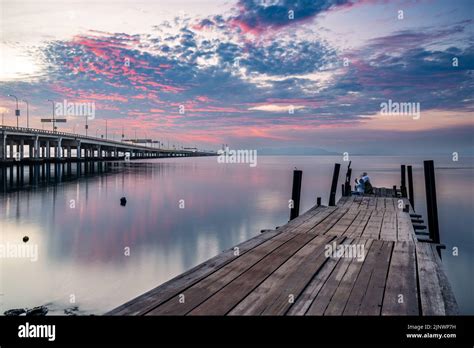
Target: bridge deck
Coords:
[[286, 271]]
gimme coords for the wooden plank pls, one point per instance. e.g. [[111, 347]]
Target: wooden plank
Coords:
[[305, 299], [292, 276], [277, 293], [356, 229], [389, 226], [450, 304], [380, 203], [405, 231], [328, 223], [372, 203], [431, 297], [326, 214], [364, 203], [227, 298], [373, 227], [401, 292], [324, 296], [343, 291], [389, 204], [360, 286], [373, 297], [342, 225]]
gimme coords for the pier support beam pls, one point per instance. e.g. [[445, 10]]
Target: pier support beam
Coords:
[[431, 202], [296, 194], [403, 186], [410, 187], [335, 177]]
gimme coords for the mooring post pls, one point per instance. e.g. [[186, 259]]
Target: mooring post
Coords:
[[410, 187], [296, 193], [347, 184], [403, 184], [318, 201], [431, 203], [335, 177]]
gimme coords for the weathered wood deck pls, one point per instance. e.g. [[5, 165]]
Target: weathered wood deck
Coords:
[[286, 271]]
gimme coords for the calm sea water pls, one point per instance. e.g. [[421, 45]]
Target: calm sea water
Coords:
[[83, 233]]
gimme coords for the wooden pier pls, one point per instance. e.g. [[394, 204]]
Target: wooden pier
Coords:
[[287, 271]]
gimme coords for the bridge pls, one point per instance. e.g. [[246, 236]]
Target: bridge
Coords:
[[26, 145]]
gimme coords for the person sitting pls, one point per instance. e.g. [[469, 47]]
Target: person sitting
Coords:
[[363, 185]]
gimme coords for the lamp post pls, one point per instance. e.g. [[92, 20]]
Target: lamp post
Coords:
[[17, 110], [54, 122], [27, 113]]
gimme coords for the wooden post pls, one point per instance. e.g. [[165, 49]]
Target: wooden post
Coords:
[[410, 187], [296, 194], [403, 185], [318, 201], [431, 203], [347, 184], [343, 190], [335, 177]]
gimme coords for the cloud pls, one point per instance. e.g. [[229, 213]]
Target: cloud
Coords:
[[276, 108], [259, 15]]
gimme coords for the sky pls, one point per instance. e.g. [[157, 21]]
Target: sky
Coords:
[[282, 76]]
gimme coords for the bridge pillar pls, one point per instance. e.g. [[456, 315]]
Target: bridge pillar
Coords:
[[3, 147], [59, 148], [78, 150], [99, 151], [21, 148], [48, 149], [36, 147], [11, 149]]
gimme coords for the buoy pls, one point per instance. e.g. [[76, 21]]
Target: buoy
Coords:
[[123, 201], [26, 239]]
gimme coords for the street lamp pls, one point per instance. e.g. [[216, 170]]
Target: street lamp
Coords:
[[54, 122], [27, 113], [17, 110]]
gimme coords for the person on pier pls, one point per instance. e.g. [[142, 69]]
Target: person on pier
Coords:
[[363, 185]]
